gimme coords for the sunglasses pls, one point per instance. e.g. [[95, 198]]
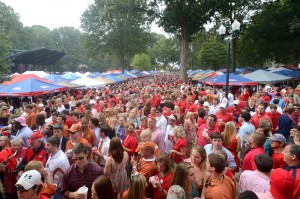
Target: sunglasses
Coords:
[[21, 189], [72, 133], [77, 158]]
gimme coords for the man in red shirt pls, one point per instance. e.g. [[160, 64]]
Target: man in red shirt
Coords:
[[206, 130], [277, 142], [234, 110], [259, 115], [274, 115], [256, 141], [222, 117], [37, 150], [292, 158]]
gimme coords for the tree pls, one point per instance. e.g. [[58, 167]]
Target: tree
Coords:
[[186, 18], [141, 62], [276, 32], [115, 27], [240, 10], [68, 40], [11, 25], [165, 51], [37, 37], [212, 54]]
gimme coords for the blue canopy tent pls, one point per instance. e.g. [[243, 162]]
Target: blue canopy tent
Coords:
[[234, 80], [294, 74], [70, 76], [54, 78], [30, 87]]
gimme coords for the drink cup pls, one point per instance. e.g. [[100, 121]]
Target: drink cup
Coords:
[[220, 121], [83, 190]]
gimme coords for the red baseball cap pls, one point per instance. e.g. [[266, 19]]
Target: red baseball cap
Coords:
[[282, 184], [35, 136], [266, 99]]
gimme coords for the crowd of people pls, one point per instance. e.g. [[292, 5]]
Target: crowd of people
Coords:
[[152, 137]]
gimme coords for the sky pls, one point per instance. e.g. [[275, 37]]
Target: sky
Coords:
[[53, 13]]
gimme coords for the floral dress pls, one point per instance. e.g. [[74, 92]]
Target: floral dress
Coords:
[[118, 175]]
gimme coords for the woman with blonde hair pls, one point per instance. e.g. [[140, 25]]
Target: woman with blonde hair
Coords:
[[177, 114], [178, 153], [136, 188], [4, 142], [198, 161], [230, 141], [190, 130]]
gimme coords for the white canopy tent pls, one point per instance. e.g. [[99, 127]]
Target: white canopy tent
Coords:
[[41, 74], [88, 82]]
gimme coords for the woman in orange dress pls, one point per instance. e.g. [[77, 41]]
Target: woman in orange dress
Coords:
[[230, 141]]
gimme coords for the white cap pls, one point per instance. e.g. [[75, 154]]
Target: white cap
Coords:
[[40, 105], [222, 105], [29, 179], [172, 117], [237, 102], [206, 104]]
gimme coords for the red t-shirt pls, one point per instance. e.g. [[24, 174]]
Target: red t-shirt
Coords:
[[40, 156], [274, 117], [202, 140], [278, 160], [130, 143], [165, 182], [181, 142], [249, 163], [226, 117]]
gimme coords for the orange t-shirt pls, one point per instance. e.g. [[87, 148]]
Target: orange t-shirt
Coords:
[[30, 119], [90, 136], [66, 131], [70, 145], [220, 188]]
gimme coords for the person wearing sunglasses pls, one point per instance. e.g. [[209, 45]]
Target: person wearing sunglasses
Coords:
[[75, 139], [82, 172], [28, 186]]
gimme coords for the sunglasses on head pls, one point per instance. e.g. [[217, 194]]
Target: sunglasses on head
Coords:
[[77, 158], [21, 189]]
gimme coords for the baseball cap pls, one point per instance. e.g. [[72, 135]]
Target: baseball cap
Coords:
[[237, 102], [29, 179], [74, 128], [266, 99], [172, 117], [222, 105], [148, 145], [40, 105], [21, 120], [35, 136], [282, 184], [206, 104], [277, 138]]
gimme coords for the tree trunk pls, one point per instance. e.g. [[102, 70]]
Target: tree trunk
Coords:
[[184, 55], [234, 41]]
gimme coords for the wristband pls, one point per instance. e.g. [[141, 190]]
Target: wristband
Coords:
[[134, 167]]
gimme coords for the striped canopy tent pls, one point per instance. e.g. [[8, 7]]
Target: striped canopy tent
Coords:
[[21, 77], [30, 87], [105, 80], [204, 76]]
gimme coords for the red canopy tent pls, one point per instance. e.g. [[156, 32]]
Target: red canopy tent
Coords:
[[18, 78]]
